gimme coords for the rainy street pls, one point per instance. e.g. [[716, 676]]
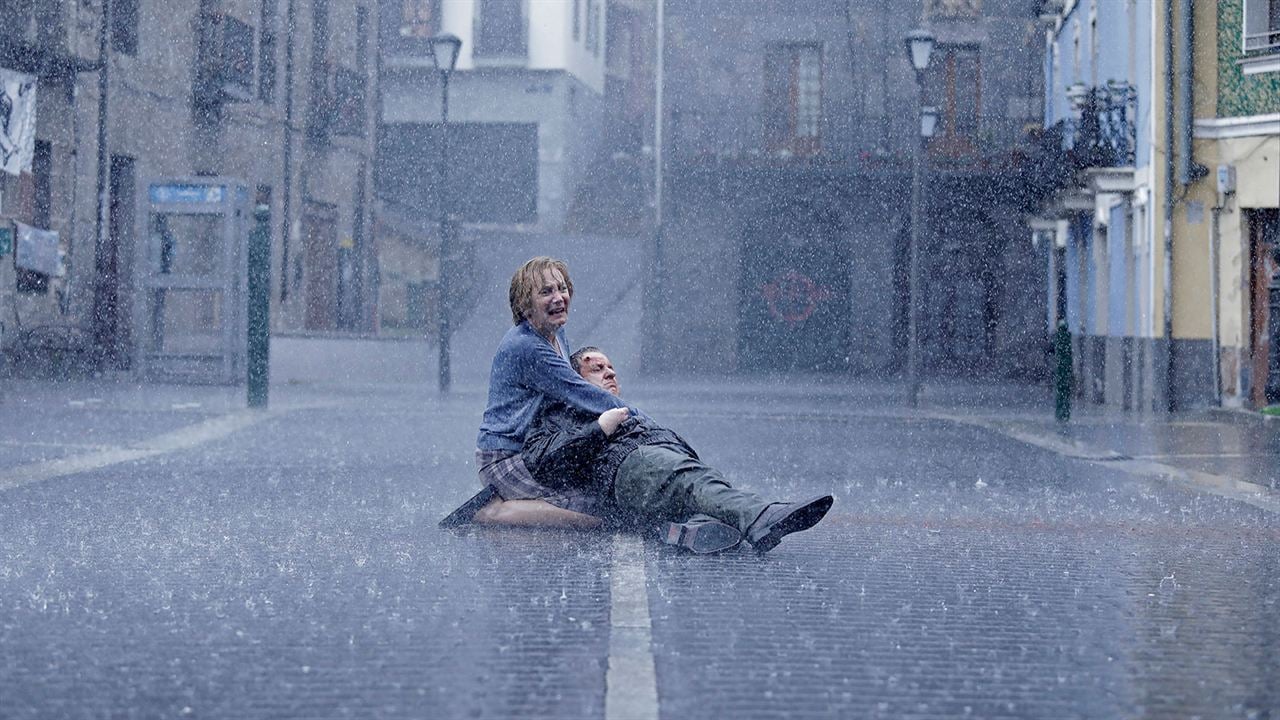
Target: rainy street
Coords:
[[946, 337], [167, 553]]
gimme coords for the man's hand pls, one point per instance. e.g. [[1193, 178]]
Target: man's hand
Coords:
[[611, 419]]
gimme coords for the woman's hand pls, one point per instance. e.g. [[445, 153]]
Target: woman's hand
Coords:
[[611, 419]]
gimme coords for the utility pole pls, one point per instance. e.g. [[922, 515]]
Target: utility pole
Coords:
[[103, 297]]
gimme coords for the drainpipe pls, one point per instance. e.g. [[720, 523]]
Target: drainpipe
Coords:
[[1169, 202], [1189, 170], [105, 344], [1215, 242], [286, 214]]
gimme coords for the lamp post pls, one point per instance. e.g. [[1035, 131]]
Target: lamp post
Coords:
[[444, 54], [919, 45]]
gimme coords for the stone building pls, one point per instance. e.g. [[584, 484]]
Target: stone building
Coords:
[[787, 158], [276, 95]]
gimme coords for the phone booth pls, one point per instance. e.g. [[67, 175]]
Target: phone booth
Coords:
[[190, 280]]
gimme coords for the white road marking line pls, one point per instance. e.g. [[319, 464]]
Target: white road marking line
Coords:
[[181, 439], [631, 688]]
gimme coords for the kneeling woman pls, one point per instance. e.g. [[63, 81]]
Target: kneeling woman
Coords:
[[532, 366]]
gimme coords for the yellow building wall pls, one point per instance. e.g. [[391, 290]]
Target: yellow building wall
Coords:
[[1257, 163]]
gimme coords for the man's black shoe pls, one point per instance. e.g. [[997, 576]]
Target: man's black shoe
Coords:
[[781, 519], [466, 512], [701, 534]]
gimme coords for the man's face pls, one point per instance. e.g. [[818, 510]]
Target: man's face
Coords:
[[596, 369], [549, 307]]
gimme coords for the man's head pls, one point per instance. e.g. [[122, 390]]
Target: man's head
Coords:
[[594, 367], [540, 293]]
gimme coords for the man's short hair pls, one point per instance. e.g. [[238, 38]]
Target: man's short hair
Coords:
[[528, 279], [576, 358]]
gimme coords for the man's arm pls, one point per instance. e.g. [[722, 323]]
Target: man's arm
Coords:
[[559, 452]]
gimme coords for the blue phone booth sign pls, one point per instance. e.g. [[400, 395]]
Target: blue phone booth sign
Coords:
[[178, 193]]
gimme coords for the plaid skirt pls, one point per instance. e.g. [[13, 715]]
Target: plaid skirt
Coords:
[[507, 473]]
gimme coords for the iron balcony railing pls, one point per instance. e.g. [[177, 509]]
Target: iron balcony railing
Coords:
[[1103, 130], [1101, 133]]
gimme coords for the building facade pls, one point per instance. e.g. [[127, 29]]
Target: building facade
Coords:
[[525, 109], [1237, 139], [274, 95], [788, 132], [1159, 188]]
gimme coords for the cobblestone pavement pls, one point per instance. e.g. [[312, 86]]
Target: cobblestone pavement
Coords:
[[977, 563]]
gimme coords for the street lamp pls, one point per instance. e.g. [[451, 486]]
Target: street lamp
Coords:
[[919, 45], [444, 53], [919, 49], [928, 121]]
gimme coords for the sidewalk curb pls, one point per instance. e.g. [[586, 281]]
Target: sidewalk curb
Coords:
[[184, 438], [1222, 485]]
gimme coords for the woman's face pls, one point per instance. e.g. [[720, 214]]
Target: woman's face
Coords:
[[549, 308]]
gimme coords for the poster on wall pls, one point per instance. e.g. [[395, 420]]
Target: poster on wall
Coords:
[[38, 251], [17, 121]]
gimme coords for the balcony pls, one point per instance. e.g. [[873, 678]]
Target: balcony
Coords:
[[1092, 151], [1103, 133]]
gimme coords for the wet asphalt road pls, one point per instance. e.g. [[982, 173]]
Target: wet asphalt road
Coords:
[[288, 565]]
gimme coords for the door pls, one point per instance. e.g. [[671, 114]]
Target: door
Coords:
[[320, 235], [1264, 304], [794, 287]]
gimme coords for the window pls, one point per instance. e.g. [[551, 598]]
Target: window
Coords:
[[267, 51], [593, 26], [404, 27], [28, 281], [124, 26], [348, 102], [793, 98], [419, 18], [320, 101], [362, 39], [618, 50], [954, 86], [500, 28], [237, 58], [1261, 25], [224, 61]]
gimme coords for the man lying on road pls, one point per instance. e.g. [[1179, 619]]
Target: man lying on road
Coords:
[[650, 472]]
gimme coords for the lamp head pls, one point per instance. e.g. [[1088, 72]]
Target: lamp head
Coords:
[[928, 121], [444, 51], [919, 44]]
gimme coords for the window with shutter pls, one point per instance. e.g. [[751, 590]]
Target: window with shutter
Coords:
[[793, 98]]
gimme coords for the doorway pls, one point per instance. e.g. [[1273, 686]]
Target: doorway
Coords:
[[320, 235], [1264, 307]]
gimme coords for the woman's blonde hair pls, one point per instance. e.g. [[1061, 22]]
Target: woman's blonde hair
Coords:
[[527, 281]]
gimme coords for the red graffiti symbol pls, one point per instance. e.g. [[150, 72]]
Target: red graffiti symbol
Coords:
[[793, 297]]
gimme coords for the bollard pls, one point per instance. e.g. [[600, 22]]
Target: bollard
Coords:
[[259, 300], [1063, 380]]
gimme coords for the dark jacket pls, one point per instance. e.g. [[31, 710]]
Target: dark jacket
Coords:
[[567, 448]]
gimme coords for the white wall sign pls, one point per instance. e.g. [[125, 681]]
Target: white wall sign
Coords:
[[37, 251]]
